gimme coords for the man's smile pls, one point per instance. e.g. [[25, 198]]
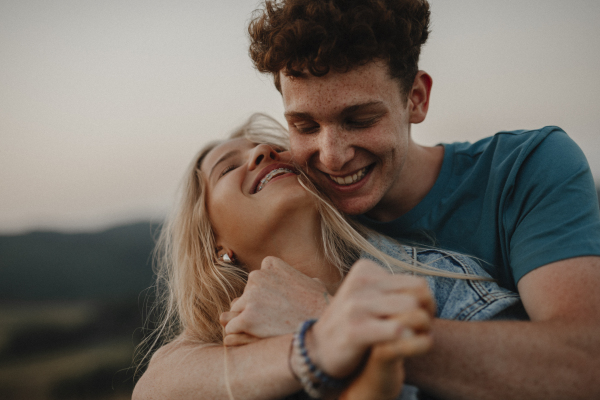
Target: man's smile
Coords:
[[351, 178]]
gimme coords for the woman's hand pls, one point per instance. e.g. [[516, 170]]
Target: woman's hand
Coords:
[[235, 339], [276, 299], [363, 314], [383, 375]]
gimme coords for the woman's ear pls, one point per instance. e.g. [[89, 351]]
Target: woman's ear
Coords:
[[418, 98], [225, 254]]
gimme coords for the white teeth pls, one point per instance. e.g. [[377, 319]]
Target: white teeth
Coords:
[[350, 179], [271, 175]]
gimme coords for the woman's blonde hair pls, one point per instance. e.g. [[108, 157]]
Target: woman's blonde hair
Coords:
[[194, 287]]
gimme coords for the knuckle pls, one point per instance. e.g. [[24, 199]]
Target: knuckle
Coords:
[[254, 277], [268, 263]]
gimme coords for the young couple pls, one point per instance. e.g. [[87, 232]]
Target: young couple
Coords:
[[522, 203]]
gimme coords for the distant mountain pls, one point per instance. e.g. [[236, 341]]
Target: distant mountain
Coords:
[[111, 265]]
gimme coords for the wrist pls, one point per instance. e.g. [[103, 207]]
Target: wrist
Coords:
[[315, 381]]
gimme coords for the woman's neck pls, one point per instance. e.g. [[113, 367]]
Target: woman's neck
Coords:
[[301, 247]]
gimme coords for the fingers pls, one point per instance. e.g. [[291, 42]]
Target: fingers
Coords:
[[414, 338], [416, 320], [416, 345], [235, 323], [226, 317], [239, 339], [366, 273], [271, 263], [237, 304], [402, 348]]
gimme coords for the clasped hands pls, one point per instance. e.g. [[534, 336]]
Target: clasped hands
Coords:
[[389, 315]]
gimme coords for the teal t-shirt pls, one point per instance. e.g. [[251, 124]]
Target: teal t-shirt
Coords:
[[516, 201]]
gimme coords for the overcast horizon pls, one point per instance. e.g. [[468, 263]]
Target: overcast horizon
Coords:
[[104, 104]]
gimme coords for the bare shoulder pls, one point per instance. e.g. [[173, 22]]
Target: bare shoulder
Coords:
[[566, 289]]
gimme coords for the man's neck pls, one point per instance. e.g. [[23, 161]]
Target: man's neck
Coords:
[[417, 178]]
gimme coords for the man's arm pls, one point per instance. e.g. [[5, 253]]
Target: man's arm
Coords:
[[187, 370], [555, 356]]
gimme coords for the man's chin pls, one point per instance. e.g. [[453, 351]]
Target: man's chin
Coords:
[[353, 206]]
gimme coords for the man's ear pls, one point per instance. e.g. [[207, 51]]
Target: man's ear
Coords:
[[418, 98]]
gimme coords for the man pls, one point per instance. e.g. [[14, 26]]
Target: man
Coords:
[[522, 202], [351, 91]]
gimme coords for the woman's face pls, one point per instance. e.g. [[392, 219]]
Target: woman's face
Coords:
[[255, 203]]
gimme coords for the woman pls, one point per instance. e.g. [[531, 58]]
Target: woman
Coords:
[[244, 201]]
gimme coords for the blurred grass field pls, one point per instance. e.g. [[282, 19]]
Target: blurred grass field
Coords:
[[88, 361], [71, 312]]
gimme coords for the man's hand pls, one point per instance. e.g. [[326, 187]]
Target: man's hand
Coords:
[[277, 298]]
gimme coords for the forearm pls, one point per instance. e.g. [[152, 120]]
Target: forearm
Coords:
[[187, 371], [510, 359]]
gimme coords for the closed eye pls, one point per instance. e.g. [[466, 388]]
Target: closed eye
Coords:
[[306, 127], [228, 169], [362, 123]]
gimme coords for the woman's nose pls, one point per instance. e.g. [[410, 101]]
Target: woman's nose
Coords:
[[261, 153]]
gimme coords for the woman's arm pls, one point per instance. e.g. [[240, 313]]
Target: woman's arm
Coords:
[[185, 369]]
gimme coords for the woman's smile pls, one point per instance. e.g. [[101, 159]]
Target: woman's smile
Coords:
[[245, 214], [270, 173]]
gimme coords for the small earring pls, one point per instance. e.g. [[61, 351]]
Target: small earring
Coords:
[[226, 258]]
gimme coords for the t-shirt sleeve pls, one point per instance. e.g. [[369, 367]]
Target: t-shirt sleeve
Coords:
[[551, 209]]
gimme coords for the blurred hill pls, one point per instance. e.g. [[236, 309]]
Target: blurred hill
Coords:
[[71, 311], [111, 265]]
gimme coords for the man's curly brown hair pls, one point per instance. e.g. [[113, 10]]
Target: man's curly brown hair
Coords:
[[320, 35]]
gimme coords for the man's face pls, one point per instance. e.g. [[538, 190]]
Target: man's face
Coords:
[[352, 131]]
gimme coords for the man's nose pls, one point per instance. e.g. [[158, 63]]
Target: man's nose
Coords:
[[335, 149], [261, 153]]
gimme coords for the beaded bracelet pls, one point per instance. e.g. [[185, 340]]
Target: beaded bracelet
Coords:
[[314, 381]]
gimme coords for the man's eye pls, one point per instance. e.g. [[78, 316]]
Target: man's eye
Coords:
[[306, 128], [363, 123], [227, 169]]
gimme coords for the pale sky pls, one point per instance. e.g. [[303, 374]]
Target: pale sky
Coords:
[[104, 103]]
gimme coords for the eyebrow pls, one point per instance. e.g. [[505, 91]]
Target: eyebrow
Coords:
[[224, 157], [347, 110]]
